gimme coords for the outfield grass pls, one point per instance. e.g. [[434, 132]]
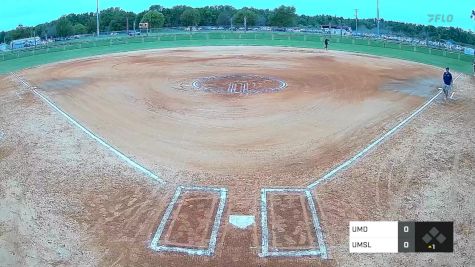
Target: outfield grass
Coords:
[[184, 41]]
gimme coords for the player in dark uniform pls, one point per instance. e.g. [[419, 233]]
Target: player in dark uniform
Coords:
[[326, 43], [447, 77]]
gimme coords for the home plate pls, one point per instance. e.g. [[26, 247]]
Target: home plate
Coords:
[[241, 221]]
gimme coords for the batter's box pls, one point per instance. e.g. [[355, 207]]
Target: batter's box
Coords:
[[191, 221], [290, 225]]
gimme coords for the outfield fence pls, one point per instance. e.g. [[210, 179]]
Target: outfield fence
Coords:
[[190, 36]]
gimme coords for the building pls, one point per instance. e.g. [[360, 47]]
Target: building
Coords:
[[26, 42], [336, 30]]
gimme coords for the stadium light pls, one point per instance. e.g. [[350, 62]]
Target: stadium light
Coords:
[[97, 17], [472, 16], [377, 15]]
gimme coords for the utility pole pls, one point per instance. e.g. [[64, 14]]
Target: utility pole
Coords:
[[356, 20], [127, 25], [245, 23], [97, 17], [377, 15], [135, 20], [341, 28], [472, 16]]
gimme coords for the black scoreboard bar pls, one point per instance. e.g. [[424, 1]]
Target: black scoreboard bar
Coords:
[[404, 236]]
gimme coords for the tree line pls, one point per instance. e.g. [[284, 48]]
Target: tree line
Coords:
[[116, 19]]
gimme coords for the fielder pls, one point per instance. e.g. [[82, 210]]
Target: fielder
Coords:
[[448, 80]]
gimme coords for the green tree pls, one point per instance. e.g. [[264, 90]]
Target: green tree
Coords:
[[21, 32], [113, 19], [283, 16], [158, 8], [51, 30], [79, 29], [154, 18], [3, 36], [190, 17], [225, 14], [172, 15], [224, 19], [209, 15], [245, 14], [64, 27]]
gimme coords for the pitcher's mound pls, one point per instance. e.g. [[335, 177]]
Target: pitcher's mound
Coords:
[[239, 84]]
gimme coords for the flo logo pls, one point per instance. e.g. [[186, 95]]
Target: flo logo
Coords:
[[440, 18]]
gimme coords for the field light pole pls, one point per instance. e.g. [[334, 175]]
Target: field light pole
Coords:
[[245, 24], [377, 15], [97, 17], [356, 20], [473, 16]]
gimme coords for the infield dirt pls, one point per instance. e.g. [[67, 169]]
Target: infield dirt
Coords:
[[145, 105]]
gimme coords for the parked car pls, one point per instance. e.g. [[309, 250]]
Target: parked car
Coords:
[[134, 33]]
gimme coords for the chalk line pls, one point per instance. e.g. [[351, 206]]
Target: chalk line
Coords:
[[320, 242], [209, 251], [91, 134], [327, 177]]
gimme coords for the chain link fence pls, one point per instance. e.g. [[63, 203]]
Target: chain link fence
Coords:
[[124, 39]]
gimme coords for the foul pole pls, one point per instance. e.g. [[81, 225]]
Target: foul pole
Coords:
[[97, 16]]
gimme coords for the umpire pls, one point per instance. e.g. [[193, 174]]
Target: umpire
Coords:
[[447, 77]]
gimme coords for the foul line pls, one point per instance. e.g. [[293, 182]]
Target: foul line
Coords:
[[91, 134], [209, 251], [327, 177], [155, 244]]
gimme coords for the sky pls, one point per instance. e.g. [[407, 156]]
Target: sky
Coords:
[[33, 12]]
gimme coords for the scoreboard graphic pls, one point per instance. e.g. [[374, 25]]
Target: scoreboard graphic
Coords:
[[405, 236]]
